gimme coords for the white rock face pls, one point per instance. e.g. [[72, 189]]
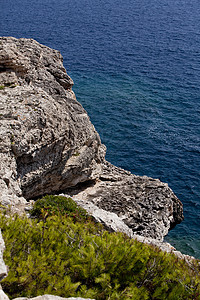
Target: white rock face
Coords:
[[3, 296], [3, 269]]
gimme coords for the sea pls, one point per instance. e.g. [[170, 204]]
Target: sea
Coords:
[[136, 70]]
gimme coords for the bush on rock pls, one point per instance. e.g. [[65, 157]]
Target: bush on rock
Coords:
[[58, 205]]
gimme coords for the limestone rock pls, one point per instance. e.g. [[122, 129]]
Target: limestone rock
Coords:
[[47, 142], [3, 296], [3, 268], [146, 205]]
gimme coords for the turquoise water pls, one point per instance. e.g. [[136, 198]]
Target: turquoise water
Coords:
[[136, 68]]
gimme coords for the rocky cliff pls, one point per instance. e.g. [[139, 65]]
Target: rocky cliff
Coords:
[[48, 144]]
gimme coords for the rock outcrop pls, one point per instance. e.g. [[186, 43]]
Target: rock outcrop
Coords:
[[146, 205], [113, 223], [48, 144]]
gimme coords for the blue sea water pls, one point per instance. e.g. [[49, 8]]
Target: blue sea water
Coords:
[[136, 68]]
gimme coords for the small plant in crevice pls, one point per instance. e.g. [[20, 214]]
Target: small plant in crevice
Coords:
[[76, 153]]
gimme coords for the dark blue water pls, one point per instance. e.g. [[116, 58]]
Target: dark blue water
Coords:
[[136, 68]]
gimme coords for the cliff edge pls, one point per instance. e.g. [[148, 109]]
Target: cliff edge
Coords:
[[49, 145]]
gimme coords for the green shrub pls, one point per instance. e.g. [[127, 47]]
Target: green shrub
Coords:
[[55, 255], [58, 205]]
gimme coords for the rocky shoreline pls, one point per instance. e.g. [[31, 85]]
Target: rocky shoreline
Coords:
[[48, 145]]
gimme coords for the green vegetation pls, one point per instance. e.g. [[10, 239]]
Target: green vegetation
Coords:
[[2, 87], [76, 153], [58, 205], [55, 253]]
